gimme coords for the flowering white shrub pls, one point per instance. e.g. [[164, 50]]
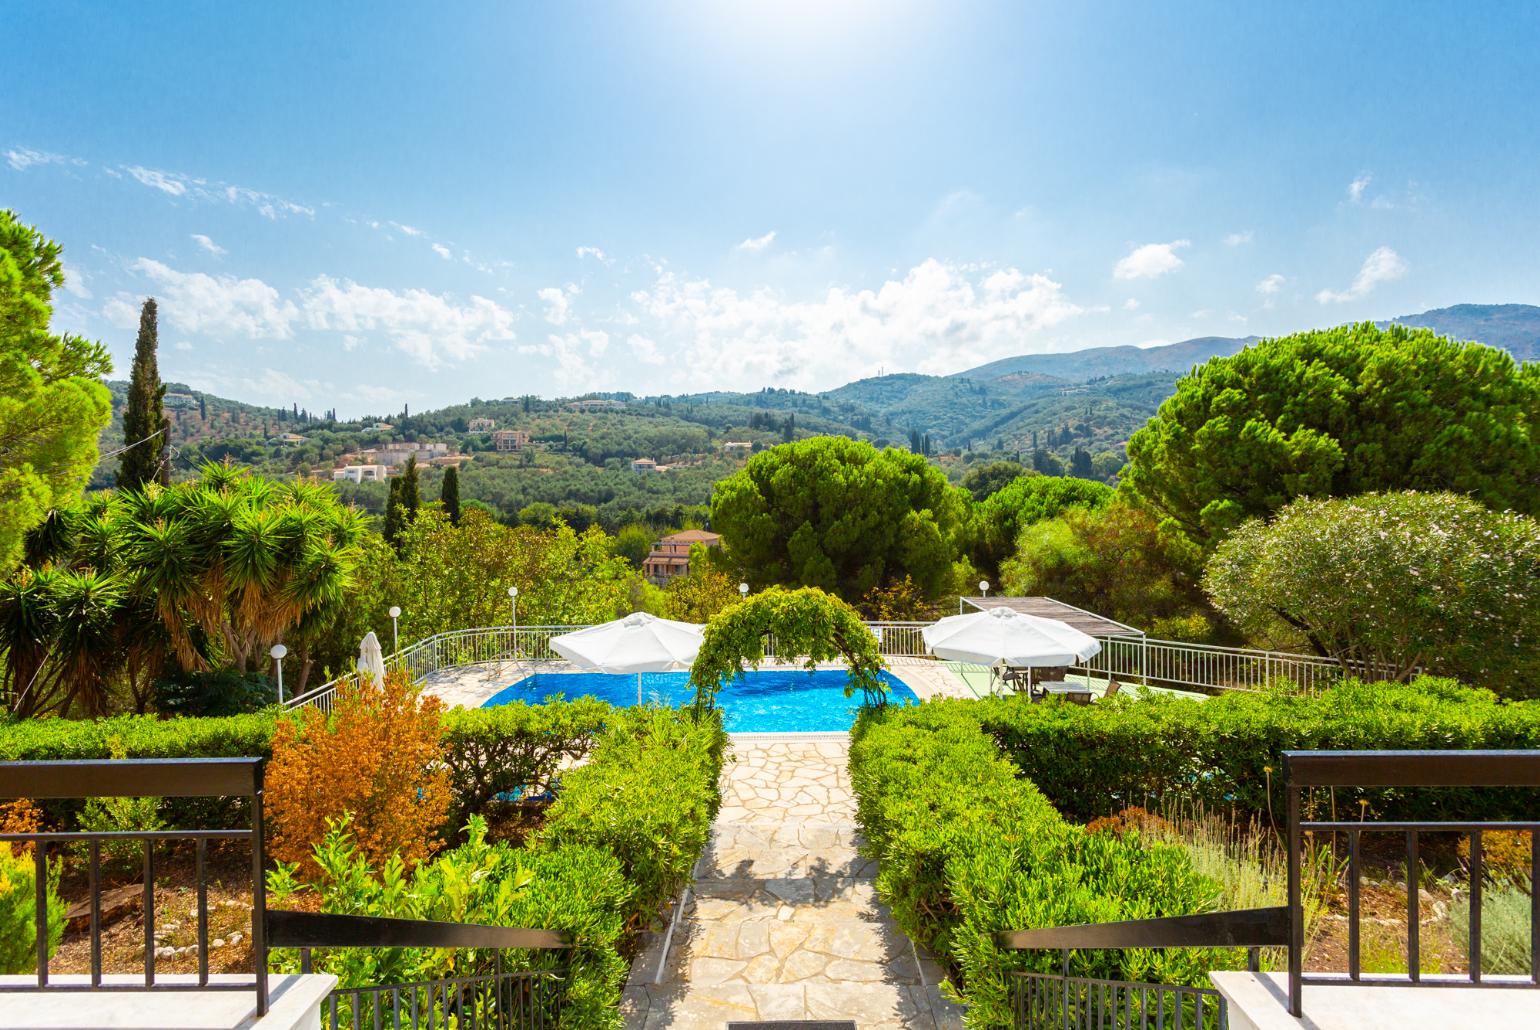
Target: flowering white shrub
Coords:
[[1400, 580]]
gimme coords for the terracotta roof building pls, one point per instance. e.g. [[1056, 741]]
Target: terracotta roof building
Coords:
[[670, 557]]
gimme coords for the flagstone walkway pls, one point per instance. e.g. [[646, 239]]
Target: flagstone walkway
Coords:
[[784, 922]]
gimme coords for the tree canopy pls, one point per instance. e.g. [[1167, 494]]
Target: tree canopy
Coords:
[[146, 456], [840, 515], [1026, 499], [204, 574], [1339, 412], [984, 480], [52, 401], [1397, 580]]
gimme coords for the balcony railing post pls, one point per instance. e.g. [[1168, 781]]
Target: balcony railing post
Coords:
[[1296, 906], [258, 892]]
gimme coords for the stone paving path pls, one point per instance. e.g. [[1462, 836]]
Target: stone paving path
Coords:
[[784, 921]]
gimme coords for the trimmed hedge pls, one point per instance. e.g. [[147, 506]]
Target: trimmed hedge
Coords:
[[966, 848], [647, 795], [1093, 761], [491, 750]]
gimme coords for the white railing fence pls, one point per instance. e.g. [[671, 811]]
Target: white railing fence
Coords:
[[1174, 663], [1169, 663]]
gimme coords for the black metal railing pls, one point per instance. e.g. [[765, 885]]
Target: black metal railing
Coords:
[[170, 777], [1048, 1001], [486, 994], [1041, 1001], [1402, 769]]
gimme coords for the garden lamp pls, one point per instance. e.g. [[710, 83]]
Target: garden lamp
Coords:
[[395, 630], [277, 652]]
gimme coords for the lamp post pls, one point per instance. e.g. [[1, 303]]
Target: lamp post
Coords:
[[277, 652], [743, 591], [984, 588], [395, 629], [513, 600]]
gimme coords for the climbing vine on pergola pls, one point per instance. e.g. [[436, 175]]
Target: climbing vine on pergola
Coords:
[[808, 623]]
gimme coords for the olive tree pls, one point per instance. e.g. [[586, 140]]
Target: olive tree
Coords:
[[1399, 581]]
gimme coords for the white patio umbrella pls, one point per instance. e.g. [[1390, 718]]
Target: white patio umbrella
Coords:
[[371, 662], [1001, 636], [637, 643]]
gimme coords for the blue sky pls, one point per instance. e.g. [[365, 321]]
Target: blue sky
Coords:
[[365, 205]]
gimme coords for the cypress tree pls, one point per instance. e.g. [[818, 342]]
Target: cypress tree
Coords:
[[449, 494], [392, 528], [203, 408], [145, 413], [410, 497]]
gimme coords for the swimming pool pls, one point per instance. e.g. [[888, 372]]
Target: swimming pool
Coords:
[[770, 701]]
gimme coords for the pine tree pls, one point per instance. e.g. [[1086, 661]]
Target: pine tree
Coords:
[[203, 408], [145, 415], [449, 495]]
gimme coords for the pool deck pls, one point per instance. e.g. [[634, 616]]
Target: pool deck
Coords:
[[471, 686]]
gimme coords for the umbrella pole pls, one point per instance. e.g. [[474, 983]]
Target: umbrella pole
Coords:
[[638, 690]]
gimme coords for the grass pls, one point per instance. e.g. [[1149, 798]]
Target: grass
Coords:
[[1248, 862]]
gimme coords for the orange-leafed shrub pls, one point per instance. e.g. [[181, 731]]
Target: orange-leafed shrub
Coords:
[[379, 756], [21, 816], [1134, 819], [1504, 853]]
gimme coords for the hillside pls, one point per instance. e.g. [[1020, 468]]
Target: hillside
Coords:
[[580, 449]]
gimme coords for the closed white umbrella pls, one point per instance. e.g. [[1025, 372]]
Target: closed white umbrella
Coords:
[[371, 662], [637, 643], [1001, 636]]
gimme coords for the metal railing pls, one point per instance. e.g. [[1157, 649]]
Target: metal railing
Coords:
[[533, 644], [1042, 1001], [1170, 663], [1046, 1001], [168, 777], [1175, 663], [1404, 769], [484, 994]]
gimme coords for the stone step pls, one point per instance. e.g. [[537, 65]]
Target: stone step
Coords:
[[870, 1006]]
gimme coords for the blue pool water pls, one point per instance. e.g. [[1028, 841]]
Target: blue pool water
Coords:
[[781, 701]]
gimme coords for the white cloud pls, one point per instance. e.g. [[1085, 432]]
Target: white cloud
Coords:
[[408, 229], [758, 243], [1131, 304], [167, 182], [430, 328], [936, 318], [1382, 266], [75, 282], [442, 251], [175, 184], [578, 356], [1357, 186], [1236, 239], [207, 244], [182, 345], [215, 305], [1150, 261], [557, 302], [1271, 285], [22, 158], [644, 349], [593, 252]]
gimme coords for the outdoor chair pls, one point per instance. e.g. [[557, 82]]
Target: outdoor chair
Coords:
[[1112, 688]]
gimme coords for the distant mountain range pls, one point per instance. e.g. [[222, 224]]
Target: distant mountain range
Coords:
[[1513, 327]]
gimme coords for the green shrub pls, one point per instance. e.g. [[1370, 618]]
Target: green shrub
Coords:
[[647, 796], [18, 911], [221, 692], [1226, 753], [578, 891], [968, 849], [1505, 914], [516, 747], [621, 840]]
